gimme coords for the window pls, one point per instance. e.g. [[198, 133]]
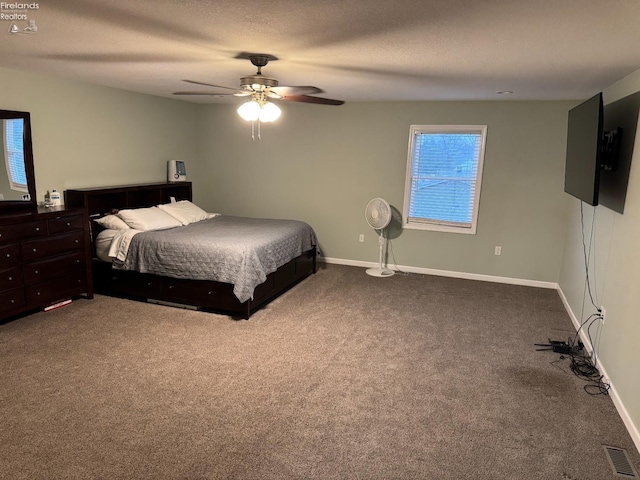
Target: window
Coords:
[[13, 133], [444, 172]]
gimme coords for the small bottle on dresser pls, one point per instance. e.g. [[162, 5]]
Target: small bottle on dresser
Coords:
[[55, 199]]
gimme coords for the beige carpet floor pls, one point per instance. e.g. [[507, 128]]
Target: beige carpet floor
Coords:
[[343, 377]]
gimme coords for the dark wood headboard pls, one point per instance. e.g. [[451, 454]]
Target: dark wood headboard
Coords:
[[101, 200]]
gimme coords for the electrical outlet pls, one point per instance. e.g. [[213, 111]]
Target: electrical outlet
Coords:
[[497, 250], [361, 238], [603, 314]]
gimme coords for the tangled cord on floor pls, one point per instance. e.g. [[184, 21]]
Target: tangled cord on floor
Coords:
[[583, 366]]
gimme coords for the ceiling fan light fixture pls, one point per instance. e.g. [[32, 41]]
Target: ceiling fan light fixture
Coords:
[[269, 112], [249, 111], [254, 110]]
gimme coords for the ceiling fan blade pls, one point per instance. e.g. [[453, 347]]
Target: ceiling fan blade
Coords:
[[103, 57], [310, 99], [285, 91], [211, 85], [211, 94]]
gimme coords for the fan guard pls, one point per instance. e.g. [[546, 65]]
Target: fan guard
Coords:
[[378, 213], [378, 216]]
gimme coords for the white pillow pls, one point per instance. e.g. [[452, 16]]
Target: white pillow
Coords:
[[185, 212], [112, 222], [151, 218]]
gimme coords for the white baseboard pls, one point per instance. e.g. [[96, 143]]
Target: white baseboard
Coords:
[[444, 273], [617, 401]]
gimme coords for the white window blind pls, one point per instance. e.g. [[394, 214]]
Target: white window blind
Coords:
[[444, 174], [14, 153]]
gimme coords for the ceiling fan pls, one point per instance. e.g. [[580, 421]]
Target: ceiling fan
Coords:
[[260, 87], [261, 90]]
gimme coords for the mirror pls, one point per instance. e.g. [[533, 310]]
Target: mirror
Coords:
[[17, 177]]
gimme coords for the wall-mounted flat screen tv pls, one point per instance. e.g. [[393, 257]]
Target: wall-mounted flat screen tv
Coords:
[[584, 137]]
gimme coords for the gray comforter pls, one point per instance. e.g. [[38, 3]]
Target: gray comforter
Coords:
[[237, 250]]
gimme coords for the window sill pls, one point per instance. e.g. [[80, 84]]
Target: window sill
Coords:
[[439, 228]]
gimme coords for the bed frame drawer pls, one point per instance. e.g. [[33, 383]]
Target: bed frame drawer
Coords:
[[285, 275], [295, 270], [306, 264], [132, 284], [200, 293]]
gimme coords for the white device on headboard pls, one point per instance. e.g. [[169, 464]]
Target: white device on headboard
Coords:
[[176, 171]]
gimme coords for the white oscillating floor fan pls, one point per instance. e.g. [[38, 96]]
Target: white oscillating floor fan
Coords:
[[378, 215]]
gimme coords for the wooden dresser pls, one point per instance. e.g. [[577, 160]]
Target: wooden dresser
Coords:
[[44, 259]]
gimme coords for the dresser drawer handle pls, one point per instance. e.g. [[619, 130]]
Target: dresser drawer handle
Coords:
[[13, 301], [77, 241], [10, 278], [68, 224], [38, 293], [37, 229], [36, 272], [8, 255], [34, 250]]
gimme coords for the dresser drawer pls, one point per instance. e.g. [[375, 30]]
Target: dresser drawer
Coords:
[[12, 299], [59, 288], [18, 231], [47, 247], [10, 278], [52, 267], [65, 224], [9, 255]]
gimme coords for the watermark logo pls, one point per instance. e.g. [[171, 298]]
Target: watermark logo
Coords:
[[20, 17]]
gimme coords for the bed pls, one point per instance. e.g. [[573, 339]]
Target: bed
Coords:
[[226, 264]]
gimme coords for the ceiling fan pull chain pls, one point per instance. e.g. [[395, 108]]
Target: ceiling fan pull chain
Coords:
[[253, 137]]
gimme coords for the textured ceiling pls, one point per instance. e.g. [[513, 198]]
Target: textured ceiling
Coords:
[[373, 50]]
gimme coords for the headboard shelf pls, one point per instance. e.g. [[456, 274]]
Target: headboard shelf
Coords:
[[100, 200]]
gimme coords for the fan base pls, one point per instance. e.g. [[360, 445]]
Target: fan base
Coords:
[[380, 272]]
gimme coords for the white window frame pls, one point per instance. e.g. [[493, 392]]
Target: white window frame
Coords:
[[438, 225]]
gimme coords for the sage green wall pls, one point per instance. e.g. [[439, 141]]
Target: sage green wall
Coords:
[[85, 135], [323, 164], [615, 276]]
